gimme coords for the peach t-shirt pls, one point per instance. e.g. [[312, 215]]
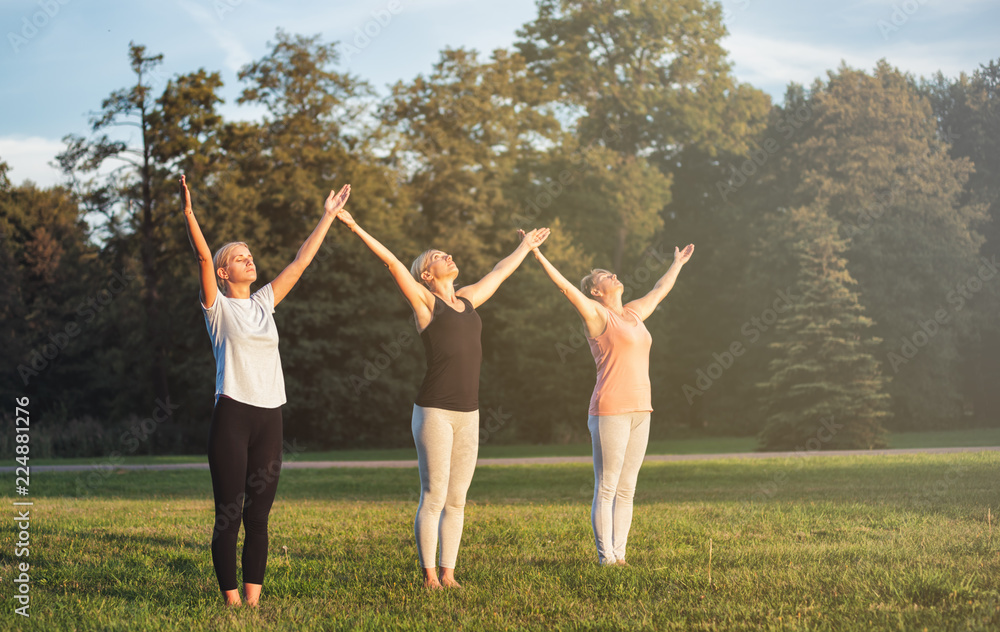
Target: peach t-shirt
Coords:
[[622, 356]]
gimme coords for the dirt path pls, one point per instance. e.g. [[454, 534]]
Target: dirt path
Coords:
[[542, 460]]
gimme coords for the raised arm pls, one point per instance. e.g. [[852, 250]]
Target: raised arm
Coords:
[[421, 299], [644, 306], [593, 314], [284, 282], [206, 271], [480, 291]]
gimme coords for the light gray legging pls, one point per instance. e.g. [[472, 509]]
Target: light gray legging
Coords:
[[619, 447], [447, 446]]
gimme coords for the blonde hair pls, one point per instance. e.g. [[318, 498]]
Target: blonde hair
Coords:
[[223, 257], [420, 265], [587, 283]]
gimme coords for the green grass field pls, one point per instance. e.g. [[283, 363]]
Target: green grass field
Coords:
[[687, 445], [834, 543]]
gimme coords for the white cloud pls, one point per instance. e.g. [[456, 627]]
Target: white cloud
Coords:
[[921, 60], [236, 54], [28, 158], [772, 63], [911, 7], [768, 63]]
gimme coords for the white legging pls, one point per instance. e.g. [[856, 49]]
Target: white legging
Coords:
[[619, 447], [447, 446]]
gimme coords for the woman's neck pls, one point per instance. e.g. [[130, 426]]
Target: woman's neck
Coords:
[[237, 291], [445, 290], [613, 303]]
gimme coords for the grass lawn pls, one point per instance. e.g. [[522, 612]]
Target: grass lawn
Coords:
[[835, 543], [692, 445]]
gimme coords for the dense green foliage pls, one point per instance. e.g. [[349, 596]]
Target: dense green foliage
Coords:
[[618, 124], [825, 388]]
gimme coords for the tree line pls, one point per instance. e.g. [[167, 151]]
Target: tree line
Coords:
[[845, 282]]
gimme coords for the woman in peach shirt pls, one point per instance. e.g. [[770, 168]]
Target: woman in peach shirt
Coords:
[[620, 406]]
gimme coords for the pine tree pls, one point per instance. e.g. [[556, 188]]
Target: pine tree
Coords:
[[866, 149], [826, 390]]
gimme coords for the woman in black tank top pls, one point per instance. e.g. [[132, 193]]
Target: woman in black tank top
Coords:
[[454, 354], [446, 412]]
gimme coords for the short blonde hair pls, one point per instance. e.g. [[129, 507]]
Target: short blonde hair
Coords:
[[420, 265], [587, 282], [223, 257]]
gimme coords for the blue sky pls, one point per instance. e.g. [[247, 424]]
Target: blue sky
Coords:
[[60, 58]]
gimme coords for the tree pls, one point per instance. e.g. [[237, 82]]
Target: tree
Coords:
[[825, 390], [868, 152], [458, 136], [727, 204], [347, 344], [968, 113], [56, 298], [539, 374], [646, 78], [468, 139], [605, 199], [646, 87], [138, 197]]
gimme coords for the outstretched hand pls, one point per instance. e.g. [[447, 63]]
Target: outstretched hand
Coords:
[[335, 202], [187, 195], [345, 217], [682, 256], [535, 238]]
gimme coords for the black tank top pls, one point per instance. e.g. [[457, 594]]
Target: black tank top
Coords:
[[454, 350]]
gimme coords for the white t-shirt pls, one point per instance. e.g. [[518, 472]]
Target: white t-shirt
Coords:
[[245, 344]]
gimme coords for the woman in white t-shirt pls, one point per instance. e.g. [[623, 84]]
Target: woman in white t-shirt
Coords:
[[244, 445]]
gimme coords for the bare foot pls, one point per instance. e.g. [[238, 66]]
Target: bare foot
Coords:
[[252, 594], [431, 580], [232, 598], [448, 578], [621, 563]]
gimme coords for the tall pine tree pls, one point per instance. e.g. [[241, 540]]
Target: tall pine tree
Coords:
[[826, 389]]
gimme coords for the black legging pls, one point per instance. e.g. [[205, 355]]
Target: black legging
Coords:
[[244, 456]]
